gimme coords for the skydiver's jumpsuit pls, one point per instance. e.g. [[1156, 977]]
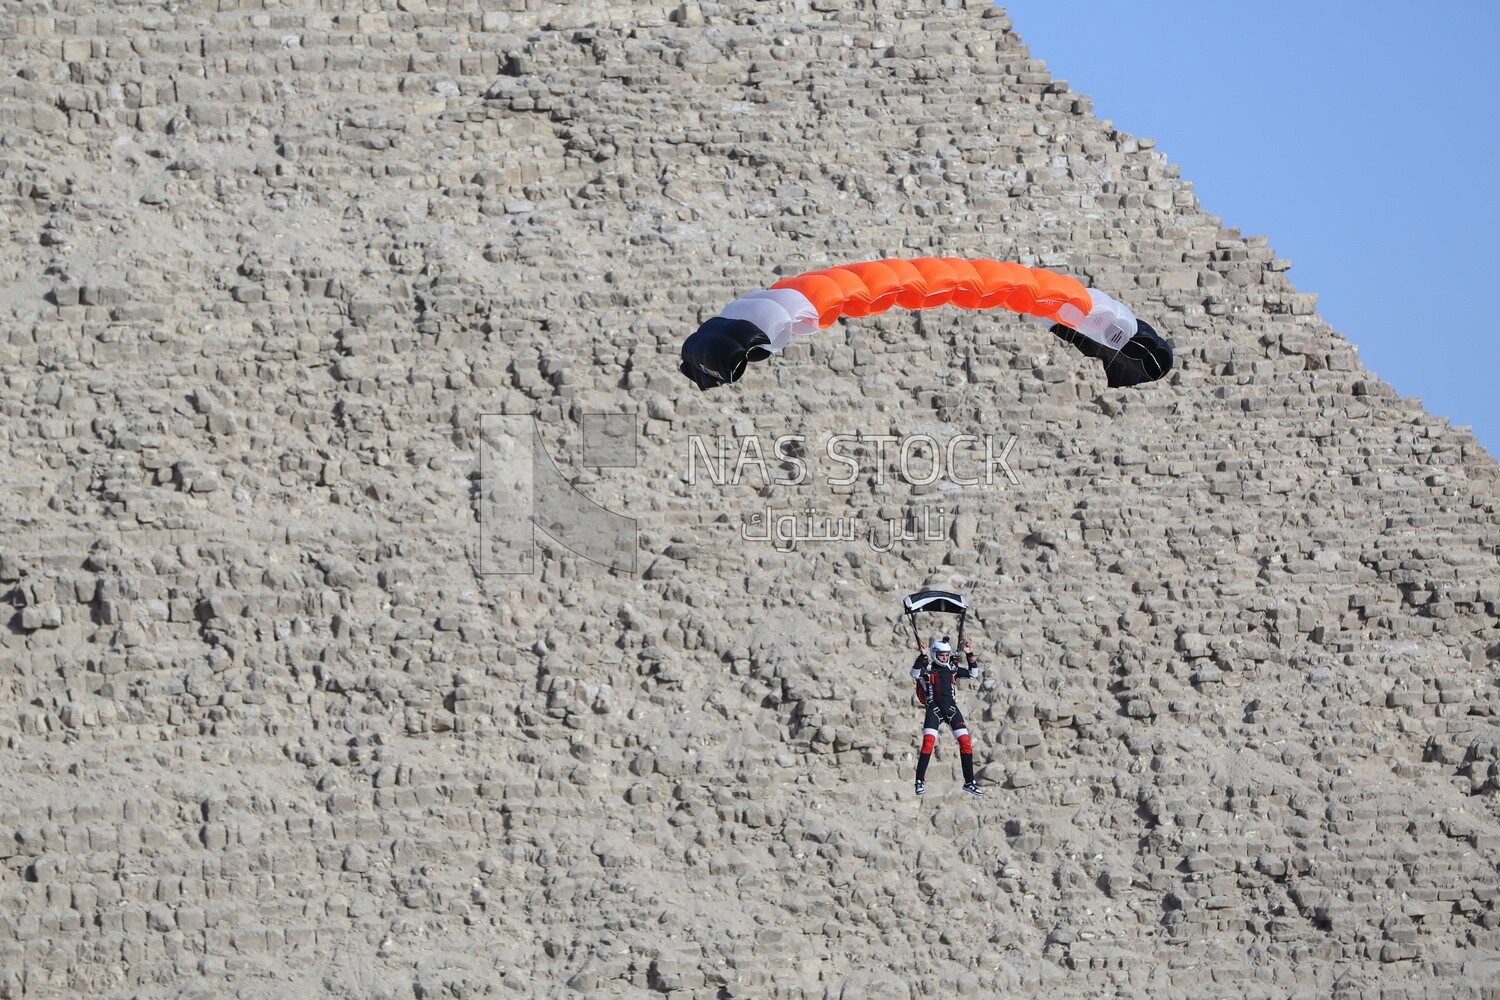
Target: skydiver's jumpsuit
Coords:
[[935, 690]]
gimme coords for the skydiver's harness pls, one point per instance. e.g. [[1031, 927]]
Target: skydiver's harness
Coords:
[[928, 686]]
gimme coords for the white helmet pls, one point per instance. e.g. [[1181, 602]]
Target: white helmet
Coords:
[[940, 646]]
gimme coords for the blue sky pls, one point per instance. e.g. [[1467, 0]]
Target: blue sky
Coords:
[[1362, 138]]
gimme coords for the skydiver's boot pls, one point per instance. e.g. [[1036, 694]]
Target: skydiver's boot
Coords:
[[966, 759], [929, 743], [969, 784]]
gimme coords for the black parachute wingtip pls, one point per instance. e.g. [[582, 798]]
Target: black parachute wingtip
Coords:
[[718, 351], [700, 378], [1145, 357]]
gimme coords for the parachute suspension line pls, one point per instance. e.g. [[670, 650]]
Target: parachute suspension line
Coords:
[[912, 619], [963, 365]]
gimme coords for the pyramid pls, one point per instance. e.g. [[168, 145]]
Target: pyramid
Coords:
[[297, 294]]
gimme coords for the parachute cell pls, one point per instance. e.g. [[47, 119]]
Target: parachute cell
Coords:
[[762, 323], [882, 281]]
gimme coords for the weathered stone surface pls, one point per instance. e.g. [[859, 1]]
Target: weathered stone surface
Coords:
[[272, 727]]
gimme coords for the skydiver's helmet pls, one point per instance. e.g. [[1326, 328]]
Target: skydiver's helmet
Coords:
[[942, 653]]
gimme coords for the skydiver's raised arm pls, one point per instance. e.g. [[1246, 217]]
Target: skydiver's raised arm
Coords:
[[972, 669]]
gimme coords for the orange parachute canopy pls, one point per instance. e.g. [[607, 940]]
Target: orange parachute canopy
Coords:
[[761, 323], [928, 282]]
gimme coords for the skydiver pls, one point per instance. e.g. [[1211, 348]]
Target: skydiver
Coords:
[[934, 679]]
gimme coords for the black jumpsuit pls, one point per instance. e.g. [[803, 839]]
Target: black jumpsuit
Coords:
[[935, 690]]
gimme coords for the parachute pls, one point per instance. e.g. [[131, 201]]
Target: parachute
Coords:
[[944, 602], [762, 323]]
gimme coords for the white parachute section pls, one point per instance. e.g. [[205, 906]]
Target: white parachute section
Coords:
[[1109, 322]]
